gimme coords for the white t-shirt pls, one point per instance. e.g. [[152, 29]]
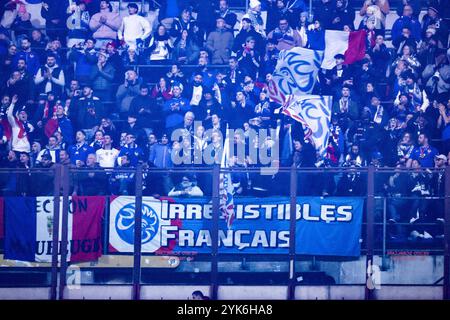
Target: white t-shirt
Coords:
[[107, 158]]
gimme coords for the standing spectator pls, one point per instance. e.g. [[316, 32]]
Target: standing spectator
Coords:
[[225, 13], [22, 24], [131, 150], [254, 14], [406, 20], [50, 78], [127, 91], [21, 128], [437, 76], [161, 92], [77, 23], [285, 35], [102, 77], [324, 13], [31, 58], [144, 107], [247, 31], [175, 108], [89, 112], [80, 151], [84, 57], [184, 22], [134, 29], [433, 19], [380, 57], [107, 155], [342, 15], [249, 59], [220, 43], [160, 157], [423, 153], [105, 24], [51, 149], [54, 13]]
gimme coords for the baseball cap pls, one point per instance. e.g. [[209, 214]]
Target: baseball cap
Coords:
[[441, 157]]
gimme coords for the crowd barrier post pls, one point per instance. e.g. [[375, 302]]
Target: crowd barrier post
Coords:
[[137, 234], [370, 211], [56, 204], [64, 230], [292, 229], [215, 232], [446, 287]]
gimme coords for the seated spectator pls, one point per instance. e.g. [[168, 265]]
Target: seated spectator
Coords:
[[185, 49], [123, 183], [90, 182], [186, 188], [98, 141], [130, 57]]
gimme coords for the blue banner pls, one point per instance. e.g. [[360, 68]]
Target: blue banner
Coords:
[[325, 226]]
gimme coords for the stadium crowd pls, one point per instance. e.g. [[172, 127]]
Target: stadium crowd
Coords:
[[98, 89]]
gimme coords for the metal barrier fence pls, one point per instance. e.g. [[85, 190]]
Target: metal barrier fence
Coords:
[[373, 221]]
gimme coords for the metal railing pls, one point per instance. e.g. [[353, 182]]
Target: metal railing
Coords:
[[370, 224]]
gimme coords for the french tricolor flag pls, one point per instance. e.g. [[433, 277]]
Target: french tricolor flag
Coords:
[[29, 223], [351, 44]]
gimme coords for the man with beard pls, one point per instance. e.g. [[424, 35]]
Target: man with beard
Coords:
[[31, 58], [50, 77]]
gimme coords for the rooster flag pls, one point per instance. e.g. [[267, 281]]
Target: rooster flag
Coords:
[[314, 113], [226, 188], [295, 73]]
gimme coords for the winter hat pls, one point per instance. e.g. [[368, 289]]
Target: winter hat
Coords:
[[254, 3]]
